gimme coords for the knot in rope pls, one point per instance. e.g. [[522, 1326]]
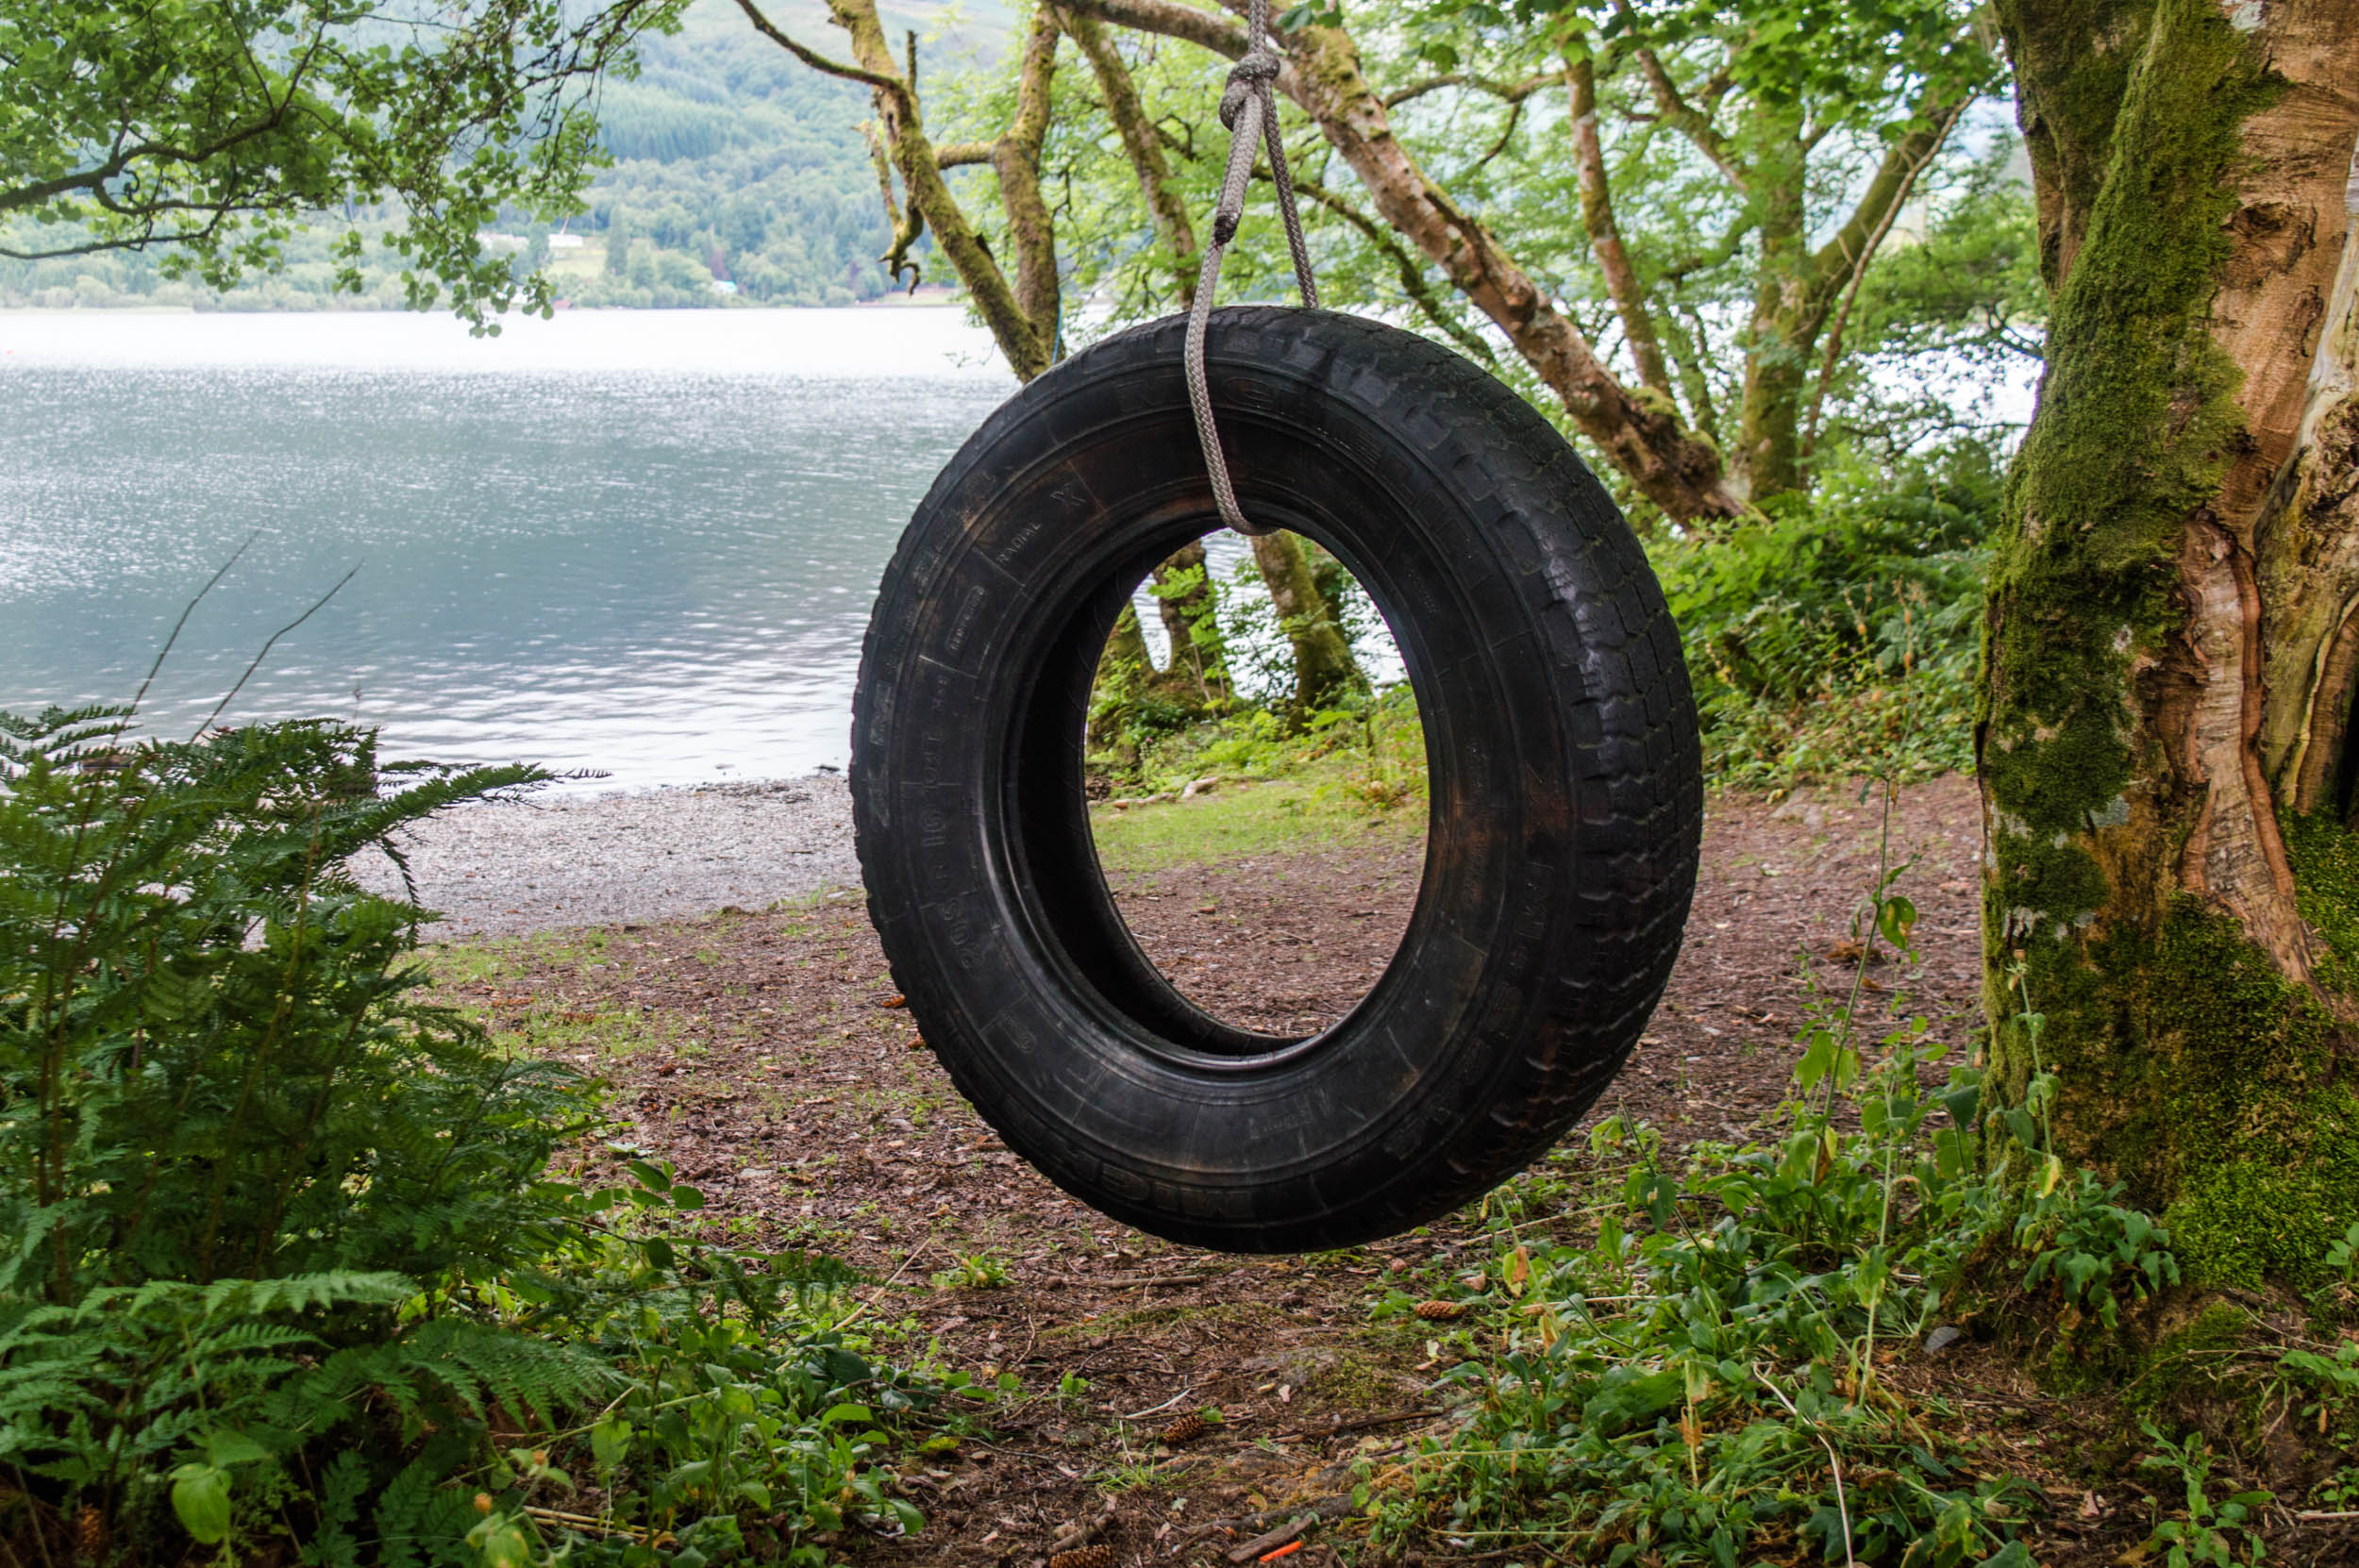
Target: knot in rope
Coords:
[[1248, 108], [1245, 78]]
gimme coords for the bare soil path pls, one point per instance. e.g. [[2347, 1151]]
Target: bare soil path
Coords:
[[764, 1055]]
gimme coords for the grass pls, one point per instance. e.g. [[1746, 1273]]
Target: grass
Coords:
[[1313, 808]]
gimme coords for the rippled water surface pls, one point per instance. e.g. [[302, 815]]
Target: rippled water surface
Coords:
[[644, 543]]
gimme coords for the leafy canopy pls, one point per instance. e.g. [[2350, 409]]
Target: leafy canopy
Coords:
[[214, 128]]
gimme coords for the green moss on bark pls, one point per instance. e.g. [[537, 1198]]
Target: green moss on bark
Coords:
[[2188, 1065], [2324, 855]]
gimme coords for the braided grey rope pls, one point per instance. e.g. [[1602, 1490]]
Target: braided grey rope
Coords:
[[1248, 106]]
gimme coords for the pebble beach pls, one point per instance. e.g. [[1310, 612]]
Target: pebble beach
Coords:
[[541, 864]]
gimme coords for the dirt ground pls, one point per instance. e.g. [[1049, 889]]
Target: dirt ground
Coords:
[[761, 1053]]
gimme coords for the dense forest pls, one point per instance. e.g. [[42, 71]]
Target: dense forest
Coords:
[[731, 165]]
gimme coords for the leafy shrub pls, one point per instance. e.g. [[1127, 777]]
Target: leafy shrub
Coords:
[[212, 1060], [1699, 1384], [1840, 637], [283, 1257]]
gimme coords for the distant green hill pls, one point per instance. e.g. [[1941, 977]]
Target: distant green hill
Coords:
[[734, 165]]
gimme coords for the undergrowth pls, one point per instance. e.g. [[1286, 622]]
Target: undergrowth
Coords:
[[1837, 638], [1352, 769], [286, 1275], [1707, 1379]]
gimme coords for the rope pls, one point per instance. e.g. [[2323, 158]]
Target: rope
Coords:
[[1248, 106]]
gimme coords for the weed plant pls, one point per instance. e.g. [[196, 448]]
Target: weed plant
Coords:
[[1838, 638], [285, 1274], [1703, 1382]]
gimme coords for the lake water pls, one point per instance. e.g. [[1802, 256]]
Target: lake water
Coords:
[[639, 541]]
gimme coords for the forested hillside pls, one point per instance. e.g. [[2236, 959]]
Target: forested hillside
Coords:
[[734, 165]]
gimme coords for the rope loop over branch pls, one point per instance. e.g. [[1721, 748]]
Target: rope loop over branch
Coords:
[[1248, 108]]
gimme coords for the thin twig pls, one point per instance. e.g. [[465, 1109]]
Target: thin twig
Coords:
[[1336, 1428], [187, 611], [1151, 1410], [231, 694], [878, 1294]]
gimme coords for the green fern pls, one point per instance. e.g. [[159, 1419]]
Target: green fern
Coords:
[[281, 1251]]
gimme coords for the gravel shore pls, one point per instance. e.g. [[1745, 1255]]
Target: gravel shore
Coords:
[[541, 864]]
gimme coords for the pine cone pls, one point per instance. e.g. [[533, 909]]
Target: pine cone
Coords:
[[1100, 1555], [1441, 1312], [90, 1534], [1186, 1429]]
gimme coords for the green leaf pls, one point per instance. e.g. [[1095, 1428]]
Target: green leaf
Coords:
[[847, 1412], [228, 1448], [1896, 917], [1963, 1103], [200, 1496], [610, 1440]]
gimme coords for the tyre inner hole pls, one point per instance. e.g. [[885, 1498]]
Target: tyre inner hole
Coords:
[[1256, 773]]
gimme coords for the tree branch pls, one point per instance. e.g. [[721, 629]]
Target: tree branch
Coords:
[[1847, 253], [1605, 238], [882, 81], [1513, 92], [1412, 275], [1170, 19], [1856, 264], [1681, 116], [819, 62], [1141, 142], [1010, 311], [906, 228], [1015, 156], [1721, 251], [1670, 464]]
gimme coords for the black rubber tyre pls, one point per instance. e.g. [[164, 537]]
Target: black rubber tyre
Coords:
[[1566, 781]]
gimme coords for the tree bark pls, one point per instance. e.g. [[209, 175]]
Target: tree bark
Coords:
[[1605, 237], [2171, 881], [1769, 420]]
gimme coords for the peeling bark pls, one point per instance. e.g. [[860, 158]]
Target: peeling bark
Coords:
[[2307, 536], [2170, 644]]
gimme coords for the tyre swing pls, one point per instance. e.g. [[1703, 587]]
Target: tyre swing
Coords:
[[1560, 745]]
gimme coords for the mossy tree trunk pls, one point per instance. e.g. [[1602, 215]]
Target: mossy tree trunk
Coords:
[[1324, 668], [2173, 624], [1022, 309]]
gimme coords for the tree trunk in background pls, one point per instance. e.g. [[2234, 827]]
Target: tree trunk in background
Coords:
[[1769, 421], [2173, 624], [1197, 670], [1324, 668]]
